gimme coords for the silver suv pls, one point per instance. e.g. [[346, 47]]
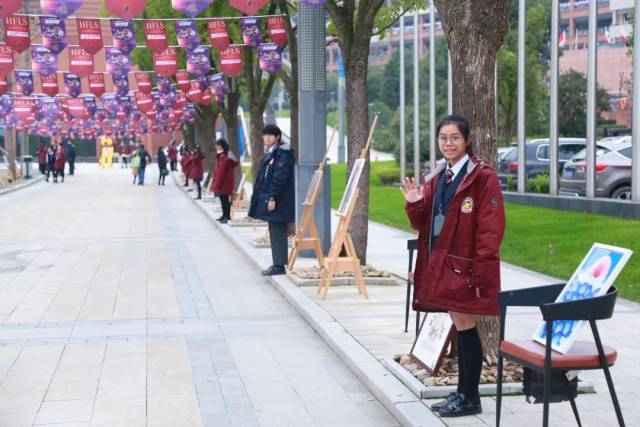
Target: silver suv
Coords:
[[613, 171]]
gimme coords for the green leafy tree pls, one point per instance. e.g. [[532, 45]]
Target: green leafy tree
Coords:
[[572, 104]]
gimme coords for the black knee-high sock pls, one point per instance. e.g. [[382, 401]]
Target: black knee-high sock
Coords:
[[461, 370], [472, 362]]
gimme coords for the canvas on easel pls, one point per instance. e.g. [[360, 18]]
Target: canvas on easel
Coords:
[[432, 341], [335, 261], [307, 236], [240, 200]]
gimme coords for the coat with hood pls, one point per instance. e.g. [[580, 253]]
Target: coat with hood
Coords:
[[224, 176]]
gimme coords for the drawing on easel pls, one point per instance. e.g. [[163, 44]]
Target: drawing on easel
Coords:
[[432, 340], [314, 186], [352, 184]]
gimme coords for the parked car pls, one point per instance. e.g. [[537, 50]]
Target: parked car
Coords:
[[537, 158], [613, 171]]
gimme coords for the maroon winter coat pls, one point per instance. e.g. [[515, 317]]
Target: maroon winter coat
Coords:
[[185, 164], [466, 254], [61, 158], [42, 155], [224, 177], [172, 153], [196, 171]]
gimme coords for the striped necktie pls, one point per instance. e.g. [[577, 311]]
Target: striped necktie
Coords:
[[449, 176]]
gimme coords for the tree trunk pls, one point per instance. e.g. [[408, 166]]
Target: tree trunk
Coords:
[[205, 138], [475, 31], [358, 119], [10, 144], [230, 116], [257, 147]]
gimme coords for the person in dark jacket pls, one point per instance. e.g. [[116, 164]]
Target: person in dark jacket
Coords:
[[196, 170], [71, 157], [162, 166], [273, 198], [173, 156], [224, 177], [460, 217], [145, 159], [59, 163], [51, 162], [42, 158]]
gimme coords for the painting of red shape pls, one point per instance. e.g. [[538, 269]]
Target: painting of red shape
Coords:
[[125, 9], [9, 7], [248, 7]]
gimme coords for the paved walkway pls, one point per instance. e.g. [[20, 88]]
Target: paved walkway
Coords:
[[122, 305], [378, 325]]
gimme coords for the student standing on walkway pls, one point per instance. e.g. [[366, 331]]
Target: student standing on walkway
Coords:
[[145, 159], [135, 165], [196, 170], [224, 178], [162, 166], [71, 157], [59, 163], [185, 165], [42, 158], [273, 198], [173, 156], [460, 217], [51, 163]]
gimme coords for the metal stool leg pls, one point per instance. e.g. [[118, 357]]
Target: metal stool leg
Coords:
[[417, 322], [499, 390], [406, 307], [607, 374], [574, 407]]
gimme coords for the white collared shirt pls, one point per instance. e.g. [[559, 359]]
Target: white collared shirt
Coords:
[[458, 166]]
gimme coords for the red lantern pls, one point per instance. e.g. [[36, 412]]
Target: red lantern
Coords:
[[231, 60], [206, 98], [125, 9], [9, 7], [144, 102], [248, 7], [23, 107], [77, 108], [195, 93], [6, 59], [277, 30], [89, 35], [3, 85]]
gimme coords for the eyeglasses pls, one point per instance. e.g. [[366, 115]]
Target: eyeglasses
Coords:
[[455, 139]]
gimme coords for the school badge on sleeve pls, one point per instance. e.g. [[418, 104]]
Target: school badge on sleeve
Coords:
[[467, 205]]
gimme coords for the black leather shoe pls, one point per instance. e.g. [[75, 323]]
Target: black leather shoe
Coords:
[[220, 218], [461, 407], [452, 396], [224, 221], [274, 270]]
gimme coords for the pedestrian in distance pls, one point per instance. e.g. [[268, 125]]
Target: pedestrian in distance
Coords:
[[135, 165], [185, 165], [460, 218], [162, 166], [71, 157], [42, 158], [273, 198], [224, 178], [173, 156], [145, 159], [51, 162], [196, 170], [59, 164]]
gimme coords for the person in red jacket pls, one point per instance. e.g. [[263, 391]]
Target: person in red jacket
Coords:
[[224, 178], [185, 165], [42, 158], [59, 164], [460, 218], [196, 170], [172, 155]]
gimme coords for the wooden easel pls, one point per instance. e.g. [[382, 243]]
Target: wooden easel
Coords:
[[307, 222], [240, 200], [334, 262]]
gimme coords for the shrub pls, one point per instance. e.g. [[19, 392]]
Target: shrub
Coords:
[[539, 184]]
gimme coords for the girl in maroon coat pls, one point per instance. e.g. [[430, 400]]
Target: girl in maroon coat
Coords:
[[460, 217], [185, 164], [223, 179], [58, 165], [196, 171]]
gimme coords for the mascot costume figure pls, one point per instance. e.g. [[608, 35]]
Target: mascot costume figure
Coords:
[[106, 156]]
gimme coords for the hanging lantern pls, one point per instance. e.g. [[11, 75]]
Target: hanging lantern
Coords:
[[190, 7], [248, 7], [125, 9], [80, 62], [155, 33], [60, 8], [6, 59], [16, 29]]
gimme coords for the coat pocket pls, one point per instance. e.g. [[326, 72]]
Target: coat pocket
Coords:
[[454, 279]]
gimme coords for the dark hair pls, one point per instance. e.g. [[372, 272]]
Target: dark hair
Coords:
[[463, 126], [272, 130], [160, 149], [223, 143]]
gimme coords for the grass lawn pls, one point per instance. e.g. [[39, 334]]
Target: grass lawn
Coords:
[[544, 240]]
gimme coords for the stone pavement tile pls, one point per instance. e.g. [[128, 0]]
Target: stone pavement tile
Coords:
[[89, 372], [20, 382], [83, 353], [38, 359], [377, 415], [71, 390], [65, 411], [119, 412], [173, 410], [9, 354], [18, 420], [271, 391], [20, 402]]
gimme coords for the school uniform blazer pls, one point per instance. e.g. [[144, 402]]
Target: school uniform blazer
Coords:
[[466, 254], [224, 180], [196, 171]]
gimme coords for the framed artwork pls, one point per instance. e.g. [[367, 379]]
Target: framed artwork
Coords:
[[594, 276], [432, 340], [352, 184], [314, 187]]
